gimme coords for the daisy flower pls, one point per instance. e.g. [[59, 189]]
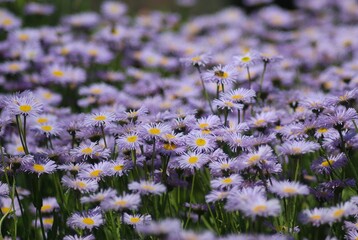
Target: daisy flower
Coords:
[[89, 219], [226, 182], [200, 142], [98, 119], [247, 60], [229, 104], [288, 189], [155, 130], [316, 216], [352, 235], [200, 60], [118, 203], [325, 165], [136, 219], [298, 147], [217, 168], [99, 197], [342, 210], [47, 222], [76, 237], [23, 103], [86, 150], [49, 204], [240, 95], [118, 167], [39, 165], [146, 187], [216, 195], [96, 171], [206, 123], [48, 128], [129, 141], [6, 206], [263, 119], [339, 117], [192, 160], [83, 185], [260, 206], [221, 75], [262, 154]]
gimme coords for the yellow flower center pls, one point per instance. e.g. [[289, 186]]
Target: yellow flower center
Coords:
[[322, 130], [7, 22], [118, 168], [154, 131], [227, 180], [254, 158], [20, 149], [260, 208], [132, 139], [237, 97], [289, 190], [100, 118], [296, 150], [196, 59], [315, 217], [87, 150], [134, 219], [14, 67], [200, 142], [193, 159], [221, 74], [169, 146], [38, 168], [229, 104], [47, 128], [225, 166], [92, 52], [42, 120], [5, 210], [327, 163], [148, 187], [169, 136], [81, 184], [46, 207], [259, 122], [121, 203], [338, 213], [96, 173], [88, 221], [246, 59], [23, 37], [96, 91], [48, 221], [58, 73], [25, 108], [203, 125]]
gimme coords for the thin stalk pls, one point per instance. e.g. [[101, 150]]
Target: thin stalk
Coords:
[[204, 90], [238, 116], [191, 200], [249, 76], [226, 113], [153, 158], [262, 80]]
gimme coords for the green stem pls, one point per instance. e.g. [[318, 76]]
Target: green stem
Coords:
[[249, 76], [153, 158], [191, 200], [204, 90], [104, 136], [261, 81]]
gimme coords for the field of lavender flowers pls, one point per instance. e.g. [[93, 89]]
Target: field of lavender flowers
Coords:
[[169, 125]]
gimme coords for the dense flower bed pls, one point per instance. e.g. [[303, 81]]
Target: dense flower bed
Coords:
[[221, 126]]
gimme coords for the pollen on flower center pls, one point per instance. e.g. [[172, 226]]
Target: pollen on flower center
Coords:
[[169, 146], [20, 149], [200, 142], [81, 184], [5, 210], [118, 168], [221, 74], [48, 221], [254, 158], [148, 187], [121, 202], [289, 190], [154, 131], [132, 139], [46, 128], [260, 208], [225, 166], [96, 173], [46, 207], [134, 219], [315, 217], [196, 59], [237, 97], [246, 59], [193, 159], [327, 163], [296, 149], [338, 213], [203, 125], [25, 108], [42, 120], [88, 221], [39, 168], [58, 73], [14, 67], [87, 150], [227, 180], [100, 118]]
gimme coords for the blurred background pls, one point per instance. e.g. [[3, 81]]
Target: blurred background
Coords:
[[191, 7]]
